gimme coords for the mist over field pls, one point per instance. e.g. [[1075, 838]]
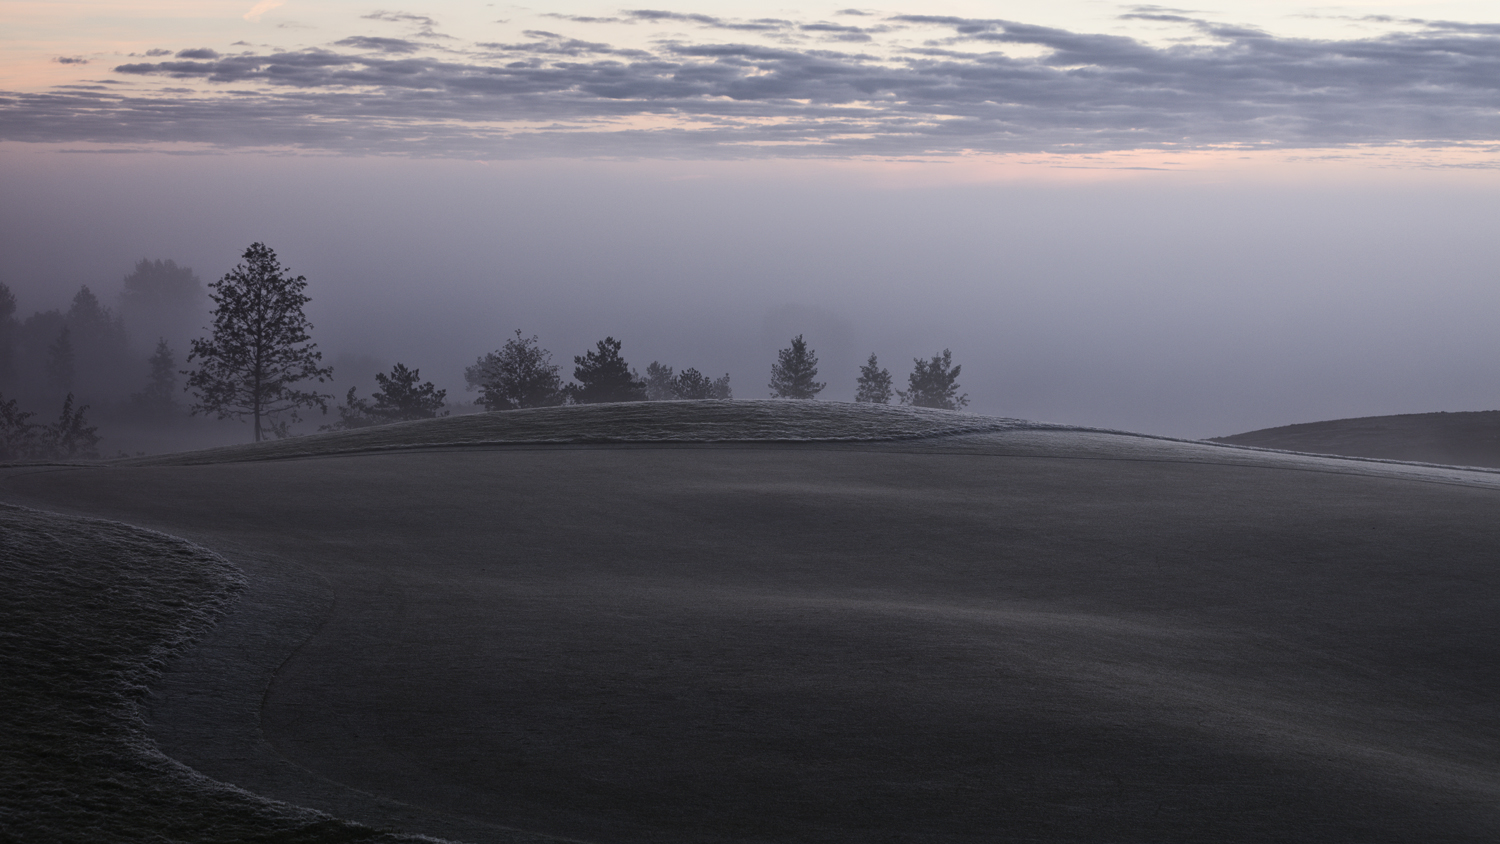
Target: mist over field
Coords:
[[1183, 222], [1036, 420], [1187, 304]]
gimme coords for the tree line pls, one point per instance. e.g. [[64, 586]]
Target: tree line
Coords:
[[52, 357], [932, 383], [258, 364], [521, 374]]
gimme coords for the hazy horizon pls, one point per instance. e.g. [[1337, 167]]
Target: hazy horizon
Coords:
[[1312, 243]]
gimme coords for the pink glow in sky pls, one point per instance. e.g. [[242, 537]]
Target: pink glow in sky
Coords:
[[1188, 223], [726, 80]]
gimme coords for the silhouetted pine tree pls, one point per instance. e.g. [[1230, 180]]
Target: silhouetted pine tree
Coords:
[[62, 361], [874, 385], [163, 299], [105, 365], [159, 400], [17, 432], [604, 376], [934, 383], [260, 349], [692, 384], [71, 436], [793, 374], [400, 397], [8, 328], [353, 413], [659, 382]]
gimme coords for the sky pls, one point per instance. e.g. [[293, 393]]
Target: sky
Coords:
[[1183, 221]]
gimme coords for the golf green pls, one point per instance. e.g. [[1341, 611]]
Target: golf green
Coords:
[[999, 636]]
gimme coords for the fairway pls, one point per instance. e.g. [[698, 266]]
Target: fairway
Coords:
[[1462, 439], [1023, 635]]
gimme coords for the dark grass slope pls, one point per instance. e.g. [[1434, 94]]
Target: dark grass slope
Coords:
[[1021, 634], [1457, 439], [628, 422], [90, 613]]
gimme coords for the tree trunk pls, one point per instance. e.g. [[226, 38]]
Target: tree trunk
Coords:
[[255, 398]]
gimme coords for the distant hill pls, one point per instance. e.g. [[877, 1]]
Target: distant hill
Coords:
[[705, 421], [1457, 439], [748, 621]]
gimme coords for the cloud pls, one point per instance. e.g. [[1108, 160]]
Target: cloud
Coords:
[[158, 52], [400, 17], [1159, 10], [710, 21], [382, 45], [261, 8], [963, 90], [71, 60], [552, 44], [1157, 16], [426, 26], [964, 26], [841, 32], [199, 53], [580, 18]]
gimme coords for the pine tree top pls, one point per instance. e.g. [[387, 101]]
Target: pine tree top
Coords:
[[794, 373]]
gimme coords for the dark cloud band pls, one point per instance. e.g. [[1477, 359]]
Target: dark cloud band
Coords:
[[962, 89]]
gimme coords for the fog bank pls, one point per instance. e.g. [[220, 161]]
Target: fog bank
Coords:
[[1169, 303]]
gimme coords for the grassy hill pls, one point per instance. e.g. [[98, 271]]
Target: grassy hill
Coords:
[[1459, 439], [629, 422], [851, 628]]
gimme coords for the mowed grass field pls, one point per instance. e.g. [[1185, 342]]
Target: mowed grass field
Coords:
[[1463, 439], [994, 635]]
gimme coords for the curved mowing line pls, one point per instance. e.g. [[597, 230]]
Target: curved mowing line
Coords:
[[629, 422], [92, 611]]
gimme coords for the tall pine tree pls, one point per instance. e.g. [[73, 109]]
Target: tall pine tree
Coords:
[[874, 385], [794, 373], [62, 361], [158, 401], [161, 299], [260, 350], [105, 365], [8, 328]]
